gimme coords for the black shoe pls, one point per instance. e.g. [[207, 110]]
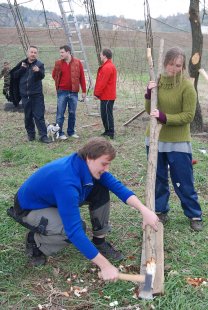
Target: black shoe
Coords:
[[36, 257], [45, 139], [107, 250], [36, 261], [104, 133], [31, 138], [163, 217], [107, 134]]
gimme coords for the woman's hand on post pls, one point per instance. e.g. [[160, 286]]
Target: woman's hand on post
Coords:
[[151, 84], [155, 113]]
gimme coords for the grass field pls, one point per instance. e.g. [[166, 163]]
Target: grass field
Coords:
[[57, 285]]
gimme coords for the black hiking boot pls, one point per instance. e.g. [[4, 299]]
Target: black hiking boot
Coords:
[[104, 134], [36, 257], [31, 138], [107, 250], [45, 139]]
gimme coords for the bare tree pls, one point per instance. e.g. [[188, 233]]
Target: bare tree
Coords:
[[195, 60]]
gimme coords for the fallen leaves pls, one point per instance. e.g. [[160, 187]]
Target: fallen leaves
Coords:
[[79, 291], [54, 293], [76, 290], [197, 281], [129, 268]]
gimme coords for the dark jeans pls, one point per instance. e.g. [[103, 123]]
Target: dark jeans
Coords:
[[181, 174], [106, 108], [34, 109]]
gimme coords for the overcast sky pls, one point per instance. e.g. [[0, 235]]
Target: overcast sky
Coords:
[[130, 8]]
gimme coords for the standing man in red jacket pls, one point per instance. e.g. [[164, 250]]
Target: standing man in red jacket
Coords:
[[68, 74], [105, 91]]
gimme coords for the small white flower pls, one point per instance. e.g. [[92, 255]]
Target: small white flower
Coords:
[[113, 303]]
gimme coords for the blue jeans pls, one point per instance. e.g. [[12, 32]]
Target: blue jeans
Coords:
[[181, 173], [65, 97]]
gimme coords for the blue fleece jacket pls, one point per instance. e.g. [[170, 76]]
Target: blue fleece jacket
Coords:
[[65, 183]]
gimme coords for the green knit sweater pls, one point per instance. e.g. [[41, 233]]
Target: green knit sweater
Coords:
[[177, 99]]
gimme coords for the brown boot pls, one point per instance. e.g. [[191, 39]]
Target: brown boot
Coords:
[[196, 224], [163, 217]]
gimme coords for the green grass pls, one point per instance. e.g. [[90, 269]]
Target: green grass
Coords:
[[22, 287]]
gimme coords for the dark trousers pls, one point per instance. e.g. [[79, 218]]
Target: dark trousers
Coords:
[[99, 208], [106, 108], [181, 173], [49, 235], [34, 109]]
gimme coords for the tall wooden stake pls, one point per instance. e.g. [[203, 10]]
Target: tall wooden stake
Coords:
[[153, 241]]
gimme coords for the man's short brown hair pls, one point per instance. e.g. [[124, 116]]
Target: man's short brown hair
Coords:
[[96, 147], [107, 53], [67, 48]]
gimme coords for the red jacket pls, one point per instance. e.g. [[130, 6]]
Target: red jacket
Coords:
[[105, 86], [69, 78]]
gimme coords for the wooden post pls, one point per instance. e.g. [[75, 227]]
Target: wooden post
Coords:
[[133, 118], [153, 241], [204, 74]]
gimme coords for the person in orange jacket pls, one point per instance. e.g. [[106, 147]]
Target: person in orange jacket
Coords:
[[68, 74], [105, 91]]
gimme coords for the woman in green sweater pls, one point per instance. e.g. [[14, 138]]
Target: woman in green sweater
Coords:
[[176, 106]]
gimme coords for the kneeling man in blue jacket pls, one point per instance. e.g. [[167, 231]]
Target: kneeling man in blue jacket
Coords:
[[48, 203]]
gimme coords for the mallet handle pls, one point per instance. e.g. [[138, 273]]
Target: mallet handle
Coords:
[[131, 277]]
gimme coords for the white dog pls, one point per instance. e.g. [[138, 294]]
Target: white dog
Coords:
[[52, 130]]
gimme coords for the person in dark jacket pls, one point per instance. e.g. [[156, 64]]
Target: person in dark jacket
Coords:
[[49, 203], [105, 91], [28, 75]]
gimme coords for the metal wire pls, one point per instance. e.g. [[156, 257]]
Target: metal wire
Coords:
[[24, 40], [90, 8]]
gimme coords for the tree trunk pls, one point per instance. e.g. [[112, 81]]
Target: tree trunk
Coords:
[[195, 60]]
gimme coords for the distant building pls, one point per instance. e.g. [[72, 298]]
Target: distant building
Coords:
[[84, 25], [121, 24], [54, 24]]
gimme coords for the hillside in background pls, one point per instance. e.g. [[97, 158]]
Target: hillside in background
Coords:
[[37, 18], [30, 18]]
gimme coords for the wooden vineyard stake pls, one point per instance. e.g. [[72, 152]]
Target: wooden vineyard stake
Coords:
[[152, 248], [133, 118], [204, 74]]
